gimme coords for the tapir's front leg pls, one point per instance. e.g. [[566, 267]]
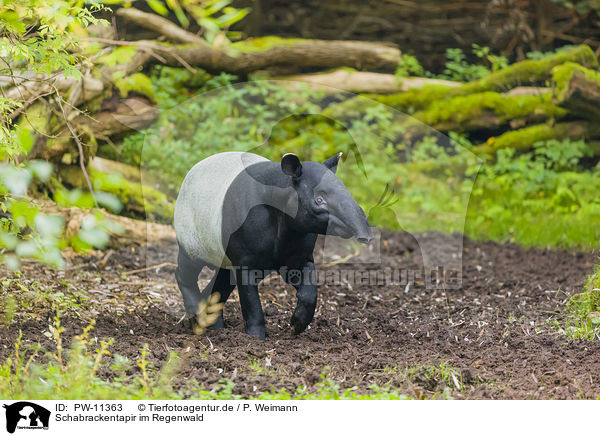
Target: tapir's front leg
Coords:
[[305, 282], [252, 311]]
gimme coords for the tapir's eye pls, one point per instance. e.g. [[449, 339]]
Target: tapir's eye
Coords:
[[319, 200]]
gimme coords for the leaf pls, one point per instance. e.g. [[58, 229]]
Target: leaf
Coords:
[[41, 169], [158, 7], [24, 138], [15, 179], [26, 249], [48, 225], [95, 237], [174, 5], [8, 240], [109, 201], [12, 262]]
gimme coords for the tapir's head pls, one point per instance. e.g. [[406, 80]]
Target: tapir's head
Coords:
[[324, 204]]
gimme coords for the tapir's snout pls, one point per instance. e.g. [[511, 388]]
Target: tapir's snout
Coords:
[[354, 221], [365, 239], [364, 235]]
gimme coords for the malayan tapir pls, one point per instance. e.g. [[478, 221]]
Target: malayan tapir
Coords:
[[240, 213]]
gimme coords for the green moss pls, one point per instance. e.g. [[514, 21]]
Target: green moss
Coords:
[[137, 198], [253, 45], [473, 111], [416, 98], [521, 73], [120, 55], [532, 71], [137, 82], [36, 118], [462, 113], [527, 136], [562, 75]]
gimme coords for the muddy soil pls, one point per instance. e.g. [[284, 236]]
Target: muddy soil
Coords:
[[497, 334]]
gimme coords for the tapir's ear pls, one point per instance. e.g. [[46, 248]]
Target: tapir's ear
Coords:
[[291, 165], [332, 162]]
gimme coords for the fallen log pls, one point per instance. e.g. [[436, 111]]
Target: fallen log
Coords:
[[140, 201], [488, 111], [361, 82], [287, 53], [578, 90], [129, 114], [526, 137], [476, 112], [529, 72], [130, 231], [529, 90]]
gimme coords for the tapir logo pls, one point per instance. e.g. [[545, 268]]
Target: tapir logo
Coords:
[[26, 415]]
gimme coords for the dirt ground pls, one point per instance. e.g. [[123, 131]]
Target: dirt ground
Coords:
[[497, 333]]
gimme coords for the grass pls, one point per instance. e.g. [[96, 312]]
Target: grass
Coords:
[[583, 321], [73, 373]]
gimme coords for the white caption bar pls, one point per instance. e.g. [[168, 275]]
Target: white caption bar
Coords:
[[252, 417]]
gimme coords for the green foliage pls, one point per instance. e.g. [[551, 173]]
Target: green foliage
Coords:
[[27, 233], [145, 199], [584, 310], [541, 197], [409, 66], [460, 70], [36, 36], [536, 55], [457, 67], [527, 136], [215, 17]]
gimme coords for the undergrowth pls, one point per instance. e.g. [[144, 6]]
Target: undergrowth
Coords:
[[584, 310], [88, 370]]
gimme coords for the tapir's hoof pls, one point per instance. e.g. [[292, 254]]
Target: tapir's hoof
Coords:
[[257, 331], [297, 329]]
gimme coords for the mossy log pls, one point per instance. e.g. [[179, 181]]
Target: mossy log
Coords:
[[293, 53], [132, 231], [526, 137], [477, 112], [487, 111], [529, 72], [578, 90], [138, 200], [133, 113]]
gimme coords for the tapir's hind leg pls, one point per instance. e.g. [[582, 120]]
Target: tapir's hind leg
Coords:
[[223, 283], [187, 279], [252, 311]]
